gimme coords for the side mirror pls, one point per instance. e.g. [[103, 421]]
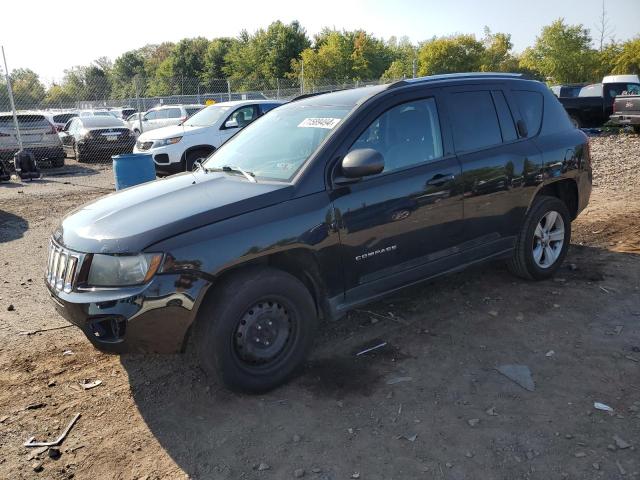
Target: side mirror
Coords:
[[233, 123], [522, 128], [359, 163]]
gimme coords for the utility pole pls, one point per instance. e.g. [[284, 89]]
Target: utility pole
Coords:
[[415, 66], [301, 76], [13, 104]]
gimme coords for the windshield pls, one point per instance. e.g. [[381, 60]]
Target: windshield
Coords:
[[277, 145], [207, 116]]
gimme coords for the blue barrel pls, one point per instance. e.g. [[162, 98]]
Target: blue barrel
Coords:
[[133, 169]]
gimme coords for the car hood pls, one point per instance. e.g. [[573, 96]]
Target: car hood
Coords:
[[132, 219], [168, 132]]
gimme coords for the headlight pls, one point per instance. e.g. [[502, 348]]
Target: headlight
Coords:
[[166, 141], [123, 270]]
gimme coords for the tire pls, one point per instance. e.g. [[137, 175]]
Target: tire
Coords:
[[576, 122], [528, 261], [194, 155], [228, 321], [636, 129]]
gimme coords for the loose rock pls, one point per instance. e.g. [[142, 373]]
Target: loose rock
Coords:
[[11, 308], [299, 473], [620, 443], [263, 466], [473, 422]]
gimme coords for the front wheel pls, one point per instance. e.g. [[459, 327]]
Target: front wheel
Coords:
[[542, 243], [256, 329]]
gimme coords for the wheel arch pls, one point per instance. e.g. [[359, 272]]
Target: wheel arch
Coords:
[[209, 148], [565, 189]]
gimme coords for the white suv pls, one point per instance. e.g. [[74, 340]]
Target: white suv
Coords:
[[175, 149], [164, 116]]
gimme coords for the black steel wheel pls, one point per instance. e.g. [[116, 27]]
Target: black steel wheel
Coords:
[[255, 329]]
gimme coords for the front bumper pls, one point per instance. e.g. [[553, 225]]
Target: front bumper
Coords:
[[167, 159], [153, 318]]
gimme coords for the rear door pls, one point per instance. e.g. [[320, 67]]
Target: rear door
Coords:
[[496, 163], [404, 223]]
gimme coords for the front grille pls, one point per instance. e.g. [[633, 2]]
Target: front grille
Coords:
[[62, 267], [143, 145]]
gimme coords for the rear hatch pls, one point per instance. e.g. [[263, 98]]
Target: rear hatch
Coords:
[[627, 105], [35, 130]]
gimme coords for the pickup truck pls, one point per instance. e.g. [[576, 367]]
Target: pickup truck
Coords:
[[328, 202], [626, 111], [594, 105]]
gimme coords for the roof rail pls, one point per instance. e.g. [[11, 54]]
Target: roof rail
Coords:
[[314, 94], [445, 76]]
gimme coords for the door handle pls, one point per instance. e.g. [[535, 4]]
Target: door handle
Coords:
[[441, 179]]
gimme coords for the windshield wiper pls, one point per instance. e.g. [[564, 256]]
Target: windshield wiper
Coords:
[[249, 175]]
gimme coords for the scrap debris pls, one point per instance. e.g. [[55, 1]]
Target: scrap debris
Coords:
[[30, 443], [87, 385]]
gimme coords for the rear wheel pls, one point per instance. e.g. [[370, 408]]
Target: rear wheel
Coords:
[[543, 240], [256, 330]]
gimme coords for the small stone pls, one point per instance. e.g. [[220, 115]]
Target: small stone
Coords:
[[350, 430], [448, 465], [620, 469], [573, 267], [568, 436], [611, 447], [580, 454], [550, 353], [596, 466], [296, 438], [473, 422], [316, 469], [37, 467], [493, 313], [491, 412], [51, 383], [520, 317], [11, 308], [355, 475], [263, 466], [54, 453], [299, 473], [620, 443], [468, 455], [530, 455]]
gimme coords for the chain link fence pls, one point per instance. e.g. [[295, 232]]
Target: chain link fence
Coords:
[[72, 128]]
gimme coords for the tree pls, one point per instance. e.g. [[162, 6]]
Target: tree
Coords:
[[628, 61], [405, 57], [497, 56], [267, 53], [343, 56], [28, 90], [562, 53], [605, 31], [125, 68], [458, 53], [214, 60]]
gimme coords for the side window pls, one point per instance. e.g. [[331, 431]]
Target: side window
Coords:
[[152, 115], [266, 107], [504, 116], [474, 120], [243, 116], [74, 126], [407, 134], [530, 104], [173, 113]]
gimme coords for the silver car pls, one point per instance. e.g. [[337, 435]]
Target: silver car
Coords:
[[39, 137]]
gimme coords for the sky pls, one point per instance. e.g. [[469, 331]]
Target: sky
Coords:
[[76, 32]]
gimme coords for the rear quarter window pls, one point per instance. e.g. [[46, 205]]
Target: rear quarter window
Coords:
[[474, 120], [531, 105], [555, 117]]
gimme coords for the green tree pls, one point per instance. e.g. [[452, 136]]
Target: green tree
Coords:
[[497, 56], [267, 53], [458, 53], [28, 90], [125, 68], [628, 60], [214, 60], [562, 54], [404, 55]]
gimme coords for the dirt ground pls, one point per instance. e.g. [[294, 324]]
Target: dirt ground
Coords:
[[431, 404]]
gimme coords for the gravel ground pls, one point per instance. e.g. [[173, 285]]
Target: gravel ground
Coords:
[[431, 404]]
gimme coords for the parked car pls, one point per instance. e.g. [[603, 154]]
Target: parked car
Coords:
[[626, 109], [164, 116], [123, 113], [594, 104], [96, 113], [59, 119], [98, 136], [176, 148], [38, 137], [327, 203], [569, 90]]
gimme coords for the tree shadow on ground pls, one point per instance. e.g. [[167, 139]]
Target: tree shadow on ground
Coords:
[[12, 227]]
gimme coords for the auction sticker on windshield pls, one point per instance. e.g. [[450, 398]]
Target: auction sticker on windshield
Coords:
[[328, 123]]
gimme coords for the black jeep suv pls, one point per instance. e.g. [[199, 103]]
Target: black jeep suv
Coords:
[[326, 203]]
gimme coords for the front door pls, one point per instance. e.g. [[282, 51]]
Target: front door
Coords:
[[394, 224]]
